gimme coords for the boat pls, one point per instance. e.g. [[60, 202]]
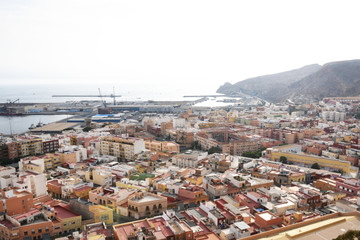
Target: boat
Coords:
[[32, 126]]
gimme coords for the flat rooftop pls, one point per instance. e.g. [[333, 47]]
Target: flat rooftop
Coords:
[[326, 229], [266, 216], [64, 213], [55, 127], [145, 199]]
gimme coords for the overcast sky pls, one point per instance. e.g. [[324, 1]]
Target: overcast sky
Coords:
[[180, 41]]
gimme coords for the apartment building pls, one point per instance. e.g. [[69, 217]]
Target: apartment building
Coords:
[[29, 146], [192, 195], [13, 150], [69, 220], [294, 155], [214, 186], [189, 159], [109, 196], [51, 161], [4, 151], [54, 187], [83, 139], [170, 147], [50, 145], [15, 201], [32, 224], [100, 175], [145, 204], [123, 148], [33, 164], [102, 214], [241, 144]]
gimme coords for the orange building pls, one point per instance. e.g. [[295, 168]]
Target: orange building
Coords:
[[54, 188], [16, 201], [82, 191], [192, 195], [67, 157], [325, 184], [30, 229], [23, 226]]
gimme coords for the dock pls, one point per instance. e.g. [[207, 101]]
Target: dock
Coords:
[[56, 127], [94, 96], [202, 96]]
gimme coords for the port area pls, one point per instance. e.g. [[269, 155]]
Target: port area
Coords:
[[67, 108], [89, 108]]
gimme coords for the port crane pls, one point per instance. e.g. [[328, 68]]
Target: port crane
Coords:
[[102, 100], [9, 102], [113, 95]]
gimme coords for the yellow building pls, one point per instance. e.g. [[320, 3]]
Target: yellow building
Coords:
[[33, 164], [196, 180], [158, 146], [102, 214], [348, 138], [161, 186], [139, 169], [308, 160], [69, 220], [30, 146], [82, 191], [99, 176], [125, 148], [207, 125], [51, 161], [297, 177]]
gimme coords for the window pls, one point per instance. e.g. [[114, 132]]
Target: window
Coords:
[[40, 230], [25, 233]]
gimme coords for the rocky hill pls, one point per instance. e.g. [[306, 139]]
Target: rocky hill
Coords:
[[311, 82]]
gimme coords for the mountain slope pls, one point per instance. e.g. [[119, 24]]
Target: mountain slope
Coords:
[[336, 79], [269, 86], [313, 82]]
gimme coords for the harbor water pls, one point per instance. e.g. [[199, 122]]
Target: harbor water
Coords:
[[21, 124]]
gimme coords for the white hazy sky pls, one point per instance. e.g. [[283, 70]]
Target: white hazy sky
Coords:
[[180, 41]]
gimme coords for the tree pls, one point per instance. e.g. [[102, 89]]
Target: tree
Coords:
[[349, 235], [168, 137], [214, 150], [87, 129], [283, 160], [357, 115], [195, 145], [315, 166], [254, 154]]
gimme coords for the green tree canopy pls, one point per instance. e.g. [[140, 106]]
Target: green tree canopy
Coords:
[[214, 150], [315, 166], [349, 235], [283, 160], [87, 129]]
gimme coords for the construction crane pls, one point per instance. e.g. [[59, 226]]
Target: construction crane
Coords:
[[104, 102], [114, 95], [9, 102]]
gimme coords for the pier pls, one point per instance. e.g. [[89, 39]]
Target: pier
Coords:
[[202, 96], [94, 96]]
